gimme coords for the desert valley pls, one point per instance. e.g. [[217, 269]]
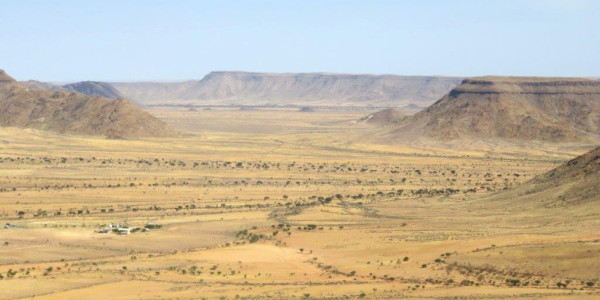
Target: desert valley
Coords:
[[301, 186], [312, 149]]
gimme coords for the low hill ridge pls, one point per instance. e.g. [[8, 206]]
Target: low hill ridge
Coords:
[[76, 113]]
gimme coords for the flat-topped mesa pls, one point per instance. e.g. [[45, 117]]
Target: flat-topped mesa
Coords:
[[244, 74], [324, 87], [527, 85], [553, 109], [302, 89]]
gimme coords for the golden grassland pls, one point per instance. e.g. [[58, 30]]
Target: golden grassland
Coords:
[[284, 204]]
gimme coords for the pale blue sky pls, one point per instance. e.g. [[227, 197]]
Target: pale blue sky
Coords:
[[174, 40]]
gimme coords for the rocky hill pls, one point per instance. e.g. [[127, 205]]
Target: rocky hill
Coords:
[[74, 113], [5, 78], [94, 88], [302, 89], [551, 109], [85, 87]]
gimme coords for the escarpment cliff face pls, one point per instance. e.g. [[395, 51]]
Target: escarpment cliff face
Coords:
[[305, 89], [552, 109], [74, 113]]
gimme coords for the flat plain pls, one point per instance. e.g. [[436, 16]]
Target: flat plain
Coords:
[[284, 204]]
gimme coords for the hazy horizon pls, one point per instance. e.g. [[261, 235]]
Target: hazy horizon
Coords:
[[173, 41], [292, 73]]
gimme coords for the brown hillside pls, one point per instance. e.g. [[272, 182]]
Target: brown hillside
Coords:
[[576, 182], [553, 109], [5, 78], [74, 113], [40, 86]]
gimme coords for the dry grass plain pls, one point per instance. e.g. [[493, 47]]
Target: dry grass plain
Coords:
[[282, 204]]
